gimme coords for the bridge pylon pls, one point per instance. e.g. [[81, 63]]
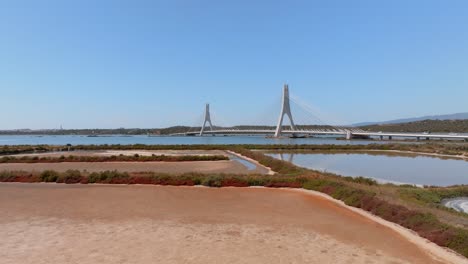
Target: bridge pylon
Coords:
[[285, 110], [207, 119]]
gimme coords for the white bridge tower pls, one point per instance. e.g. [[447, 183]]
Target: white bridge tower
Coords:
[[207, 119], [285, 110]]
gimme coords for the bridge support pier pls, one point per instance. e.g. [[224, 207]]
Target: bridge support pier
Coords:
[[349, 135], [207, 119], [417, 138], [285, 110], [389, 137], [427, 138]]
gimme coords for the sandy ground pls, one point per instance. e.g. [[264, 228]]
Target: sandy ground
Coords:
[[228, 166], [224, 166], [56, 223], [125, 152]]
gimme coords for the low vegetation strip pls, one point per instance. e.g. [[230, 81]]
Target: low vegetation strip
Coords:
[[13, 150], [432, 196], [459, 149], [120, 158]]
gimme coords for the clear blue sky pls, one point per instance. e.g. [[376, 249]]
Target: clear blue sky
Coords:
[[106, 64]]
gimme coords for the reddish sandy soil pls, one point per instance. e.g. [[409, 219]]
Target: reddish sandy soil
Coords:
[[125, 152], [57, 223], [226, 166]]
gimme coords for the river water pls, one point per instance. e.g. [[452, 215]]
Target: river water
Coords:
[[419, 170], [168, 140]]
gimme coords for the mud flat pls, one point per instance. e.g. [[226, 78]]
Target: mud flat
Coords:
[[57, 223]]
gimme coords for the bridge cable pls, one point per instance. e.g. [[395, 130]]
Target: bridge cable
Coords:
[[308, 110]]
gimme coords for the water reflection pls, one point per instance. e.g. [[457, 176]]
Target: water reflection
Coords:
[[460, 204], [249, 165], [420, 170], [289, 159]]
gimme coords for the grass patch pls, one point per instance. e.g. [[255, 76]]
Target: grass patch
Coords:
[[120, 158]]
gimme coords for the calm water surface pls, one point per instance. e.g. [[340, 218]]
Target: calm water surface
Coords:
[[128, 140], [420, 170]]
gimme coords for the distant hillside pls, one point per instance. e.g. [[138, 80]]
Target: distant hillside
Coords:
[[457, 116], [445, 126]]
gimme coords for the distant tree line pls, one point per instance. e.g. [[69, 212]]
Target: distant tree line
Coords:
[[83, 132], [446, 126]]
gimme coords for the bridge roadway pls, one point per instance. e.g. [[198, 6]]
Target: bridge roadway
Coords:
[[344, 132]]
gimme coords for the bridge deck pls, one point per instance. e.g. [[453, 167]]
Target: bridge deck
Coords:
[[354, 132]]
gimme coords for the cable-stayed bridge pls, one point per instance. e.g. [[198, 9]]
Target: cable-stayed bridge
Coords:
[[295, 131]]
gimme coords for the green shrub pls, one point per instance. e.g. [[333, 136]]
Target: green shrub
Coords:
[[256, 181], [49, 176], [420, 195], [318, 184], [6, 176], [212, 181], [5, 159], [361, 180], [94, 177], [70, 176]]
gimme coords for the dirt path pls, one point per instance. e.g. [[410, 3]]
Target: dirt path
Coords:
[[56, 223]]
